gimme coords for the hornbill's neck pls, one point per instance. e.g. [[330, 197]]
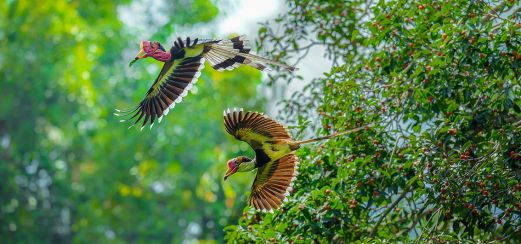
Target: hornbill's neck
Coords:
[[161, 55], [247, 165]]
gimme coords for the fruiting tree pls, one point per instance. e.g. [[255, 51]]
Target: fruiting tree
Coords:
[[441, 81]]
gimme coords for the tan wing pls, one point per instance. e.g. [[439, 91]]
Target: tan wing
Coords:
[[273, 182], [254, 128]]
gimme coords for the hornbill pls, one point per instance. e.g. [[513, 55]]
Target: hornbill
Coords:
[[182, 67], [274, 159]]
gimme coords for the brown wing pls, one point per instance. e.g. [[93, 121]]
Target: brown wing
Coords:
[[273, 182], [173, 83], [254, 128]]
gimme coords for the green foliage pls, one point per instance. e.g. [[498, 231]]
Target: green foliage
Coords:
[[70, 171], [440, 80]]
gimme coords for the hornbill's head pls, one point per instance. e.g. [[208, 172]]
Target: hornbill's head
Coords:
[[234, 165], [151, 49]]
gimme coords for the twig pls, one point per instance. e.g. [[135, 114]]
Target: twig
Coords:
[[493, 11], [389, 209], [415, 221]]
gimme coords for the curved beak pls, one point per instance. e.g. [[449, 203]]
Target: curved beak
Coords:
[[230, 172], [139, 55]]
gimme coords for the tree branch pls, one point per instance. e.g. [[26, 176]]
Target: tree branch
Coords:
[[389, 209], [493, 11]]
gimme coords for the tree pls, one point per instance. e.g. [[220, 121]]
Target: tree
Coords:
[[441, 82], [70, 171]]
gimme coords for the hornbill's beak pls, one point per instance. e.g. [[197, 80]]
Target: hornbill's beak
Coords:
[[230, 172], [139, 55]]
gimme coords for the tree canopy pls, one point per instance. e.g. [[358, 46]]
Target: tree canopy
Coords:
[[441, 82]]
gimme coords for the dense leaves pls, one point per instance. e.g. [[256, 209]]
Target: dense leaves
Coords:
[[441, 82], [70, 172]]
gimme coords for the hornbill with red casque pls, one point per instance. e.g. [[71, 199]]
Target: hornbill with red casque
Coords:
[[274, 159], [182, 67]]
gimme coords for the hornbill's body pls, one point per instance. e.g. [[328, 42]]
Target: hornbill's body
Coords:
[[274, 157], [183, 65]]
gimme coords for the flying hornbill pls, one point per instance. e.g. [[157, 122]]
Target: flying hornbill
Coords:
[[274, 158], [182, 67]]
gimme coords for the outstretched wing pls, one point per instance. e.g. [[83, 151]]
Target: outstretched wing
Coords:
[[230, 54], [273, 182], [254, 128], [173, 83]]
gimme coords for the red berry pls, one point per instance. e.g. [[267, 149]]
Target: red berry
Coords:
[[328, 191], [359, 184], [370, 182], [421, 7], [452, 131]]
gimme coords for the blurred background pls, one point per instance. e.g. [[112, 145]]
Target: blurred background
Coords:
[[70, 172]]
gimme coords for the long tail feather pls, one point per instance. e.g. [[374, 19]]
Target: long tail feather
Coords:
[[265, 60]]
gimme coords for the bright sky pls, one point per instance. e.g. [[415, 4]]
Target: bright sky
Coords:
[[244, 16]]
